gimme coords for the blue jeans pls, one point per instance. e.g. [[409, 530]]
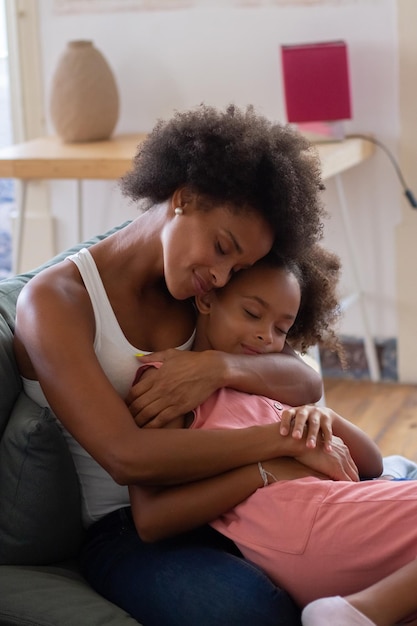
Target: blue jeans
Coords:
[[196, 579]]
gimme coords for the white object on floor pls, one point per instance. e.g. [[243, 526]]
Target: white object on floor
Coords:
[[399, 466], [335, 611]]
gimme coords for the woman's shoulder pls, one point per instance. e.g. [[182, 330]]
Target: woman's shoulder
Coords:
[[52, 277], [59, 283]]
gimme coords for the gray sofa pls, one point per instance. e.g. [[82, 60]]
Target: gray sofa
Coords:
[[40, 522]]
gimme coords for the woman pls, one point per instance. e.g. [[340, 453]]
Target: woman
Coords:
[[220, 188]]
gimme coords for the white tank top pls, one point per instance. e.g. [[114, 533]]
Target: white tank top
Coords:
[[100, 494]]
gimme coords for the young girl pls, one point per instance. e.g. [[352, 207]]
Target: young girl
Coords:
[[313, 536]]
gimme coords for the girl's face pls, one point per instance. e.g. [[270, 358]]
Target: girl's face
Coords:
[[202, 249], [253, 314]]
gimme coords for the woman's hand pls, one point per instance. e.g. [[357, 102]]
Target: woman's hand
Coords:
[[310, 421], [286, 468], [318, 425], [337, 463], [184, 380]]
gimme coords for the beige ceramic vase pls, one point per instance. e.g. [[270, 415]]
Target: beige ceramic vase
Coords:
[[84, 101]]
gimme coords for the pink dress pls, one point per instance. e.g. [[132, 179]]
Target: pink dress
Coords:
[[314, 537]]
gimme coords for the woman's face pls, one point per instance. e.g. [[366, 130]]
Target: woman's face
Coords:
[[253, 314], [202, 249]]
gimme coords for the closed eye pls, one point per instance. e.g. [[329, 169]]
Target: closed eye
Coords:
[[252, 315], [220, 249], [280, 331]]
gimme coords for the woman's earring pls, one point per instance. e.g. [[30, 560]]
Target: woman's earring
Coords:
[[179, 211]]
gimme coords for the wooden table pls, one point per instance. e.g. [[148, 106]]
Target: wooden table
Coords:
[[49, 158]]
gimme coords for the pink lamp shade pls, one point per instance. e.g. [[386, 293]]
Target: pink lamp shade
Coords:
[[316, 82]]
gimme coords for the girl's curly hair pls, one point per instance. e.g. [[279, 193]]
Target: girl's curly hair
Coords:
[[317, 272], [238, 158]]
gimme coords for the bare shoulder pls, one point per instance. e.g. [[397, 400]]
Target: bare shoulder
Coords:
[[52, 309], [58, 283]]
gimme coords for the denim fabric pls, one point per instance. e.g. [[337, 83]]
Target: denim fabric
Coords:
[[197, 579]]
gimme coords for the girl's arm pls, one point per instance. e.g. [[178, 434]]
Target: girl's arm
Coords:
[[364, 451], [186, 379], [159, 513]]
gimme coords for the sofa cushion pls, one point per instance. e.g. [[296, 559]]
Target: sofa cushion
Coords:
[[11, 382], [9, 375], [38, 597], [40, 519]]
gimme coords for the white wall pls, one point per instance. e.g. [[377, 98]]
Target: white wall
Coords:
[[166, 60], [407, 230]]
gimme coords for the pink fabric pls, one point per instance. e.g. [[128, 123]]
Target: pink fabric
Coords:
[[228, 408], [322, 538], [315, 538]]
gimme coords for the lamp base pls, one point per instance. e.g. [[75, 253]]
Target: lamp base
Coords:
[[318, 132]]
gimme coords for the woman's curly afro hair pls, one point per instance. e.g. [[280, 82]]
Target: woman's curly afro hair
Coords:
[[238, 158]]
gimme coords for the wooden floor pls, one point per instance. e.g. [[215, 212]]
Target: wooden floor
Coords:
[[386, 411]]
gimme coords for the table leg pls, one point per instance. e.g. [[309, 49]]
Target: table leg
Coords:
[[370, 348], [80, 211], [20, 219]]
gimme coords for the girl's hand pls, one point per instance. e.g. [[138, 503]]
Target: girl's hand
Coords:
[[317, 421]]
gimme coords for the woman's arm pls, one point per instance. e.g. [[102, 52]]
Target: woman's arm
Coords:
[[55, 329], [186, 379], [163, 512], [321, 423]]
